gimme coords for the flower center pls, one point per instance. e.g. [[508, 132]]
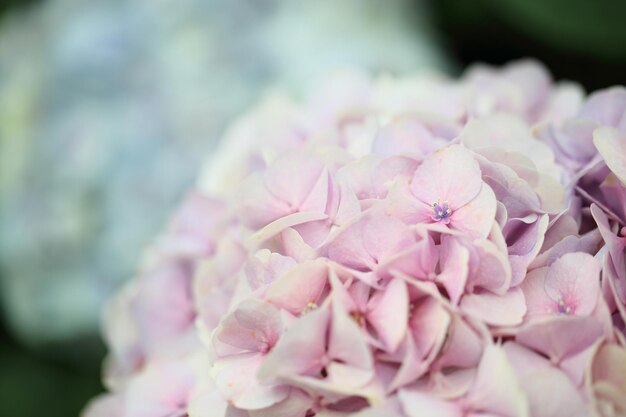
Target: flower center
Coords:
[[563, 308], [441, 211]]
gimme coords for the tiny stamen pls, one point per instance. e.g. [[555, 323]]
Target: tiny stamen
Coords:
[[563, 308], [442, 212], [309, 307]]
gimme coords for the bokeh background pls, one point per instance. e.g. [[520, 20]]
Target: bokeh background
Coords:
[[108, 108]]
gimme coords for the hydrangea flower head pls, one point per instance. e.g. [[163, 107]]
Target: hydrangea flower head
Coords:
[[414, 247]]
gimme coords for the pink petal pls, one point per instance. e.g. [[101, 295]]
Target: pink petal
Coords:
[[429, 325], [496, 388], [454, 267], [295, 246], [496, 310], [450, 174], [161, 389], [539, 378], [236, 378], [347, 343], [537, 301], [561, 336], [290, 220], [370, 241], [300, 349], [258, 207], [265, 266], [492, 271], [293, 178], [254, 326], [388, 170], [300, 287], [611, 144], [419, 404], [389, 313], [406, 136], [463, 347], [296, 404], [575, 278], [526, 246], [412, 364], [402, 204], [163, 305], [608, 378], [476, 217], [418, 260], [384, 236]]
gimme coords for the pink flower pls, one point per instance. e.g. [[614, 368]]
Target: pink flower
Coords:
[[242, 342], [447, 189], [570, 286], [324, 351]]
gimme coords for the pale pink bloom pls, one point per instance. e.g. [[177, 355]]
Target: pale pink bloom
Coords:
[[570, 286], [324, 351], [447, 189], [241, 343], [385, 311]]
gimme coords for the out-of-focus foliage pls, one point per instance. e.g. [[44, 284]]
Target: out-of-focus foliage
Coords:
[[107, 106], [38, 385], [577, 39]]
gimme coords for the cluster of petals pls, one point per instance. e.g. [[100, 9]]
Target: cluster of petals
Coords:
[[413, 247]]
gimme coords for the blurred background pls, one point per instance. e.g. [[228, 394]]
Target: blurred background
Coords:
[[109, 107]]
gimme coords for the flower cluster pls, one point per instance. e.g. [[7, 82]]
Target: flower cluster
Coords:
[[393, 247]]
